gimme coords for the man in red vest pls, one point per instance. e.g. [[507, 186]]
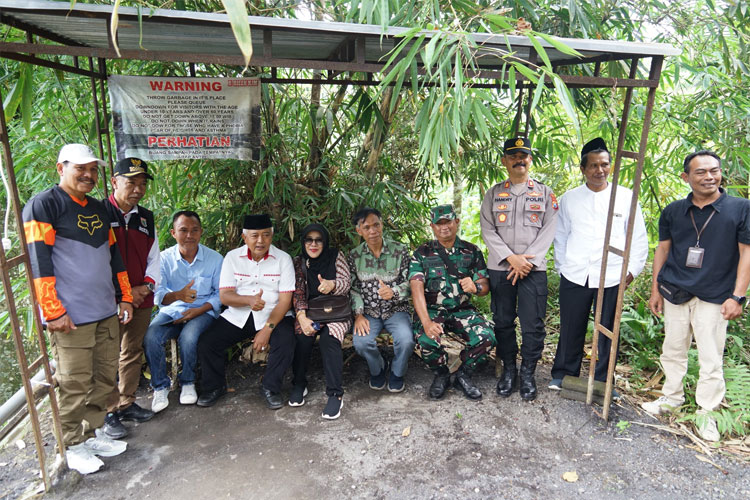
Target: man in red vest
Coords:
[[134, 229]]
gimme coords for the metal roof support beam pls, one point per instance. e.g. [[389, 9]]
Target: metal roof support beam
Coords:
[[38, 61]]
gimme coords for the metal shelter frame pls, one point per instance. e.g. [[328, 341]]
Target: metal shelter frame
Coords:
[[349, 53]]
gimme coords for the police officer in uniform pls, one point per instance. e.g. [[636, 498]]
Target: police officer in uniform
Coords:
[[518, 218], [443, 275]]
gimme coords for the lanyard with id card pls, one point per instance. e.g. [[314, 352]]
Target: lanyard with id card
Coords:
[[695, 254]]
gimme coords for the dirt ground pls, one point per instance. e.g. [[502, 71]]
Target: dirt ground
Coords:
[[455, 448]]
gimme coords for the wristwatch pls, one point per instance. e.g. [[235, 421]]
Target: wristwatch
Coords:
[[479, 286], [740, 300], [149, 285], [271, 325]]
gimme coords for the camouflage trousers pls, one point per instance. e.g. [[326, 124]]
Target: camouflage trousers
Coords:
[[465, 326]]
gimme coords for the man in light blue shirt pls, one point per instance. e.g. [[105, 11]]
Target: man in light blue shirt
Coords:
[[188, 300]]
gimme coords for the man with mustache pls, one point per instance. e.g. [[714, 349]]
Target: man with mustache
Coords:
[[579, 241], [518, 218], [134, 228], [702, 269], [79, 279]]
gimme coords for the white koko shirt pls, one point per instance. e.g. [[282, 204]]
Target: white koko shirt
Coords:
[[274, 274], [579, 238]]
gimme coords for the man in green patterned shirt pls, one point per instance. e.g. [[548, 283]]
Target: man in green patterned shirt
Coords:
[[380, 299], [443, 275]]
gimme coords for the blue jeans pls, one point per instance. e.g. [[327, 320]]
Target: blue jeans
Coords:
[[399, 326], [159, 332]]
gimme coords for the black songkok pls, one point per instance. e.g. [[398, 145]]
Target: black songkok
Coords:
[[592, 145], [257, 221]]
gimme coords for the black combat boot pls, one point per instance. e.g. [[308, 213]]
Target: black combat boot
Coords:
[[441, 382], [463, 382], [508, 382], [528, 384]]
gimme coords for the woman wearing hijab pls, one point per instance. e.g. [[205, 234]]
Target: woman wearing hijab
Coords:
[[320, 271]]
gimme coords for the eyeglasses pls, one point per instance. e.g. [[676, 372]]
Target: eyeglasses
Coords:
[[310, 241]]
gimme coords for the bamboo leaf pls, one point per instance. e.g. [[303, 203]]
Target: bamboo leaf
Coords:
[[501, 22], [540, 50], [528, 73], [237, 13], [113, 23], [27, 97], [562, 47], [13, 99]]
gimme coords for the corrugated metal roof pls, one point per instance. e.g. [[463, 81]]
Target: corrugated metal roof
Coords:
[[199, 37]]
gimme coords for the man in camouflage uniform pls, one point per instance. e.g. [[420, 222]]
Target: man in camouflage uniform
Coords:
[[443, 274], [518, 218]]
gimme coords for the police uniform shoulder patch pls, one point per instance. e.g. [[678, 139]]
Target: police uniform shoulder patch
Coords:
[[554, 201]]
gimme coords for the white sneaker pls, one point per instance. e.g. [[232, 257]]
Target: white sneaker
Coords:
[[706, 426], [81, 459], [188, 396], [660, 406], [103, 446], [161, 400]]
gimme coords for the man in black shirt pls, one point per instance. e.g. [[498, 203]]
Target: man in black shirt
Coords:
[[702, 269]]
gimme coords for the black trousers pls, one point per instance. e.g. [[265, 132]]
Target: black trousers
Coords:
[[333, 361], [576, 303], [213, 345], [527, 300]]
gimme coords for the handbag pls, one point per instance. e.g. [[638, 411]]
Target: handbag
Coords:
[[329, 308]]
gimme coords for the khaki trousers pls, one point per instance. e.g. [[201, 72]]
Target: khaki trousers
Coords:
[[703, 321], [131, 353], [86, 367]]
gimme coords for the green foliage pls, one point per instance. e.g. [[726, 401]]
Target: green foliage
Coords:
[[641, 338]]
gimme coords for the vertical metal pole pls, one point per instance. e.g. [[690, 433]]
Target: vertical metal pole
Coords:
[[105, 179], [13, 314], [105, 115], [519, 111]]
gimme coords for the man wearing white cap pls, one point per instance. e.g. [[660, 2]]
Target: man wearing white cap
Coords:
[[79, 278]]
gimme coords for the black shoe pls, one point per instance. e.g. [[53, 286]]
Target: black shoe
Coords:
[[463, 382], [297, 396], [332, 410], [508, 382], [528, 384], [440, 384], [273, 399], [377, 382], [113, 428], [135, 413], [211, 397]]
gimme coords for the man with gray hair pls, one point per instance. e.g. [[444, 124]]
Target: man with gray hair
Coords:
[[256, 284]]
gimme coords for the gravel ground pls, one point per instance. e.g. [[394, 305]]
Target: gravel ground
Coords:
[[493, 448]]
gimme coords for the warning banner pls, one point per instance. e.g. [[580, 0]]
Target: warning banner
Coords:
[[157, 118]]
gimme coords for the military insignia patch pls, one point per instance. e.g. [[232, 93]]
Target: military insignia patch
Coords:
[[535, 207], [502, 207], [535, 193], [554, 201], [502, 218], [144, 222], [507, 185], [503, 195], [534, 218]]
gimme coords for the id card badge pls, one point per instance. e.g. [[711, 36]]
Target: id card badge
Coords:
[[695, 257]]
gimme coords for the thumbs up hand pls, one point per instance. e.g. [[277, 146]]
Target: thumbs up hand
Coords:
[[256, 302], [187, 294], [326, 286], [385, 292]]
